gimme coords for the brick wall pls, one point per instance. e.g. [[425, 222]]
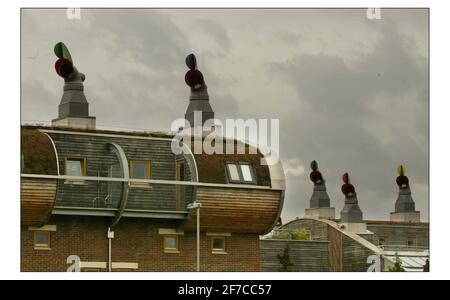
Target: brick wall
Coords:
[[135, 241]]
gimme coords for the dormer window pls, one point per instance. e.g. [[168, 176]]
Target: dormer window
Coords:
[[76, 166], [240, 172], [140, 169]]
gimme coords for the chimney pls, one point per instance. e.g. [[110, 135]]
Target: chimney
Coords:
[[351, 214], [199, 99], [405, 210], [319, 204], [73, 110]]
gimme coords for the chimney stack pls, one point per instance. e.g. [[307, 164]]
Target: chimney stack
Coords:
[[319, 204], [351, 214], [73, 110], [199, 99], [404, 206]]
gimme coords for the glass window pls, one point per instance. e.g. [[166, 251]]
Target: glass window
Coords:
[[140, 169], [218, 244], [240, 172], [171, 243], [75, 166], [42, 240], [411, 242], [246, 173], [233, 171]]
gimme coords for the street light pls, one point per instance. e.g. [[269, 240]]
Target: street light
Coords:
[[197, 205]]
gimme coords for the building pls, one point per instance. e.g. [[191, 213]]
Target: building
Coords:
[[318, 242], [99, 200]]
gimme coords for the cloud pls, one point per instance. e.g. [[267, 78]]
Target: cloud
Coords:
[[349, 92], [361, 118], [293, 167]]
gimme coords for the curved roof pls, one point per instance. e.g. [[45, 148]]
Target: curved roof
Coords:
[[211, 168], [38, 153]]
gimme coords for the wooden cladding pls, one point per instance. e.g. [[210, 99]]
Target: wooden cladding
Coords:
[[37, 200], [236, 210]]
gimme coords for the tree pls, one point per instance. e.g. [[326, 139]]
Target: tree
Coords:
[[397, 267], [426, 267], [301, 235], [286, 264]]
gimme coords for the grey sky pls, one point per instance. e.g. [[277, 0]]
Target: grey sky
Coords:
[[350, 92]]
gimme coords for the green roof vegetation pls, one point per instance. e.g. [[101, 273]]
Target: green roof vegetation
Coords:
[[38, 155]]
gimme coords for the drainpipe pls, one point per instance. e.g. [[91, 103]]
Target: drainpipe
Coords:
[[110, 237]]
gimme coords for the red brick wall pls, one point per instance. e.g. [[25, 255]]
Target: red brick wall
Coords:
[[137, 241]]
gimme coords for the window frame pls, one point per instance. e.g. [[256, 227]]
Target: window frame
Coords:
[[414, 239], [83, 169], [37, 246], [177, 243], [148, 169], [219, 250], [240, 173]]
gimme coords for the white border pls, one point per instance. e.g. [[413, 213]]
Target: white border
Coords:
[[439, 106]]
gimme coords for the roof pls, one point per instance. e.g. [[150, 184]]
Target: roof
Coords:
[[102, 131], [392, 223], [383, 222], [37, 152], [409, 262], [210, 168]]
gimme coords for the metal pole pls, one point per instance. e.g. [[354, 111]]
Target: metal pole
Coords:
[[198, 239], [110, 236]]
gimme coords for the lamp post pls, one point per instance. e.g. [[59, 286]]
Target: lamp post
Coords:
[[197, 205]]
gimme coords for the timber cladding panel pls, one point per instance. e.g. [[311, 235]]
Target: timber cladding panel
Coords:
[[101, 162], [135, 241], [398, 234], [37, 198], [335, 248], [236, 209], [354, 255], [306, 256]]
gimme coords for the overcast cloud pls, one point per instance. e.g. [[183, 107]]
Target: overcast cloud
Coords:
[[350, 92]]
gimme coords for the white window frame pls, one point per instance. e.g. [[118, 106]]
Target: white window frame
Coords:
[[239, 165]]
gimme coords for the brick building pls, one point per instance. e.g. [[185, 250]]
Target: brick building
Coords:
[[99, 200], [319, 242]]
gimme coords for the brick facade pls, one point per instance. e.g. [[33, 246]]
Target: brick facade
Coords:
[[135, 241]]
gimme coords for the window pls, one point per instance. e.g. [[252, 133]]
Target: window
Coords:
[[246, 174], [171, 244], [218, 245], [240, 172], [140, 169], [233, 172], [76, 166], [41, 240], [411, 242]]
